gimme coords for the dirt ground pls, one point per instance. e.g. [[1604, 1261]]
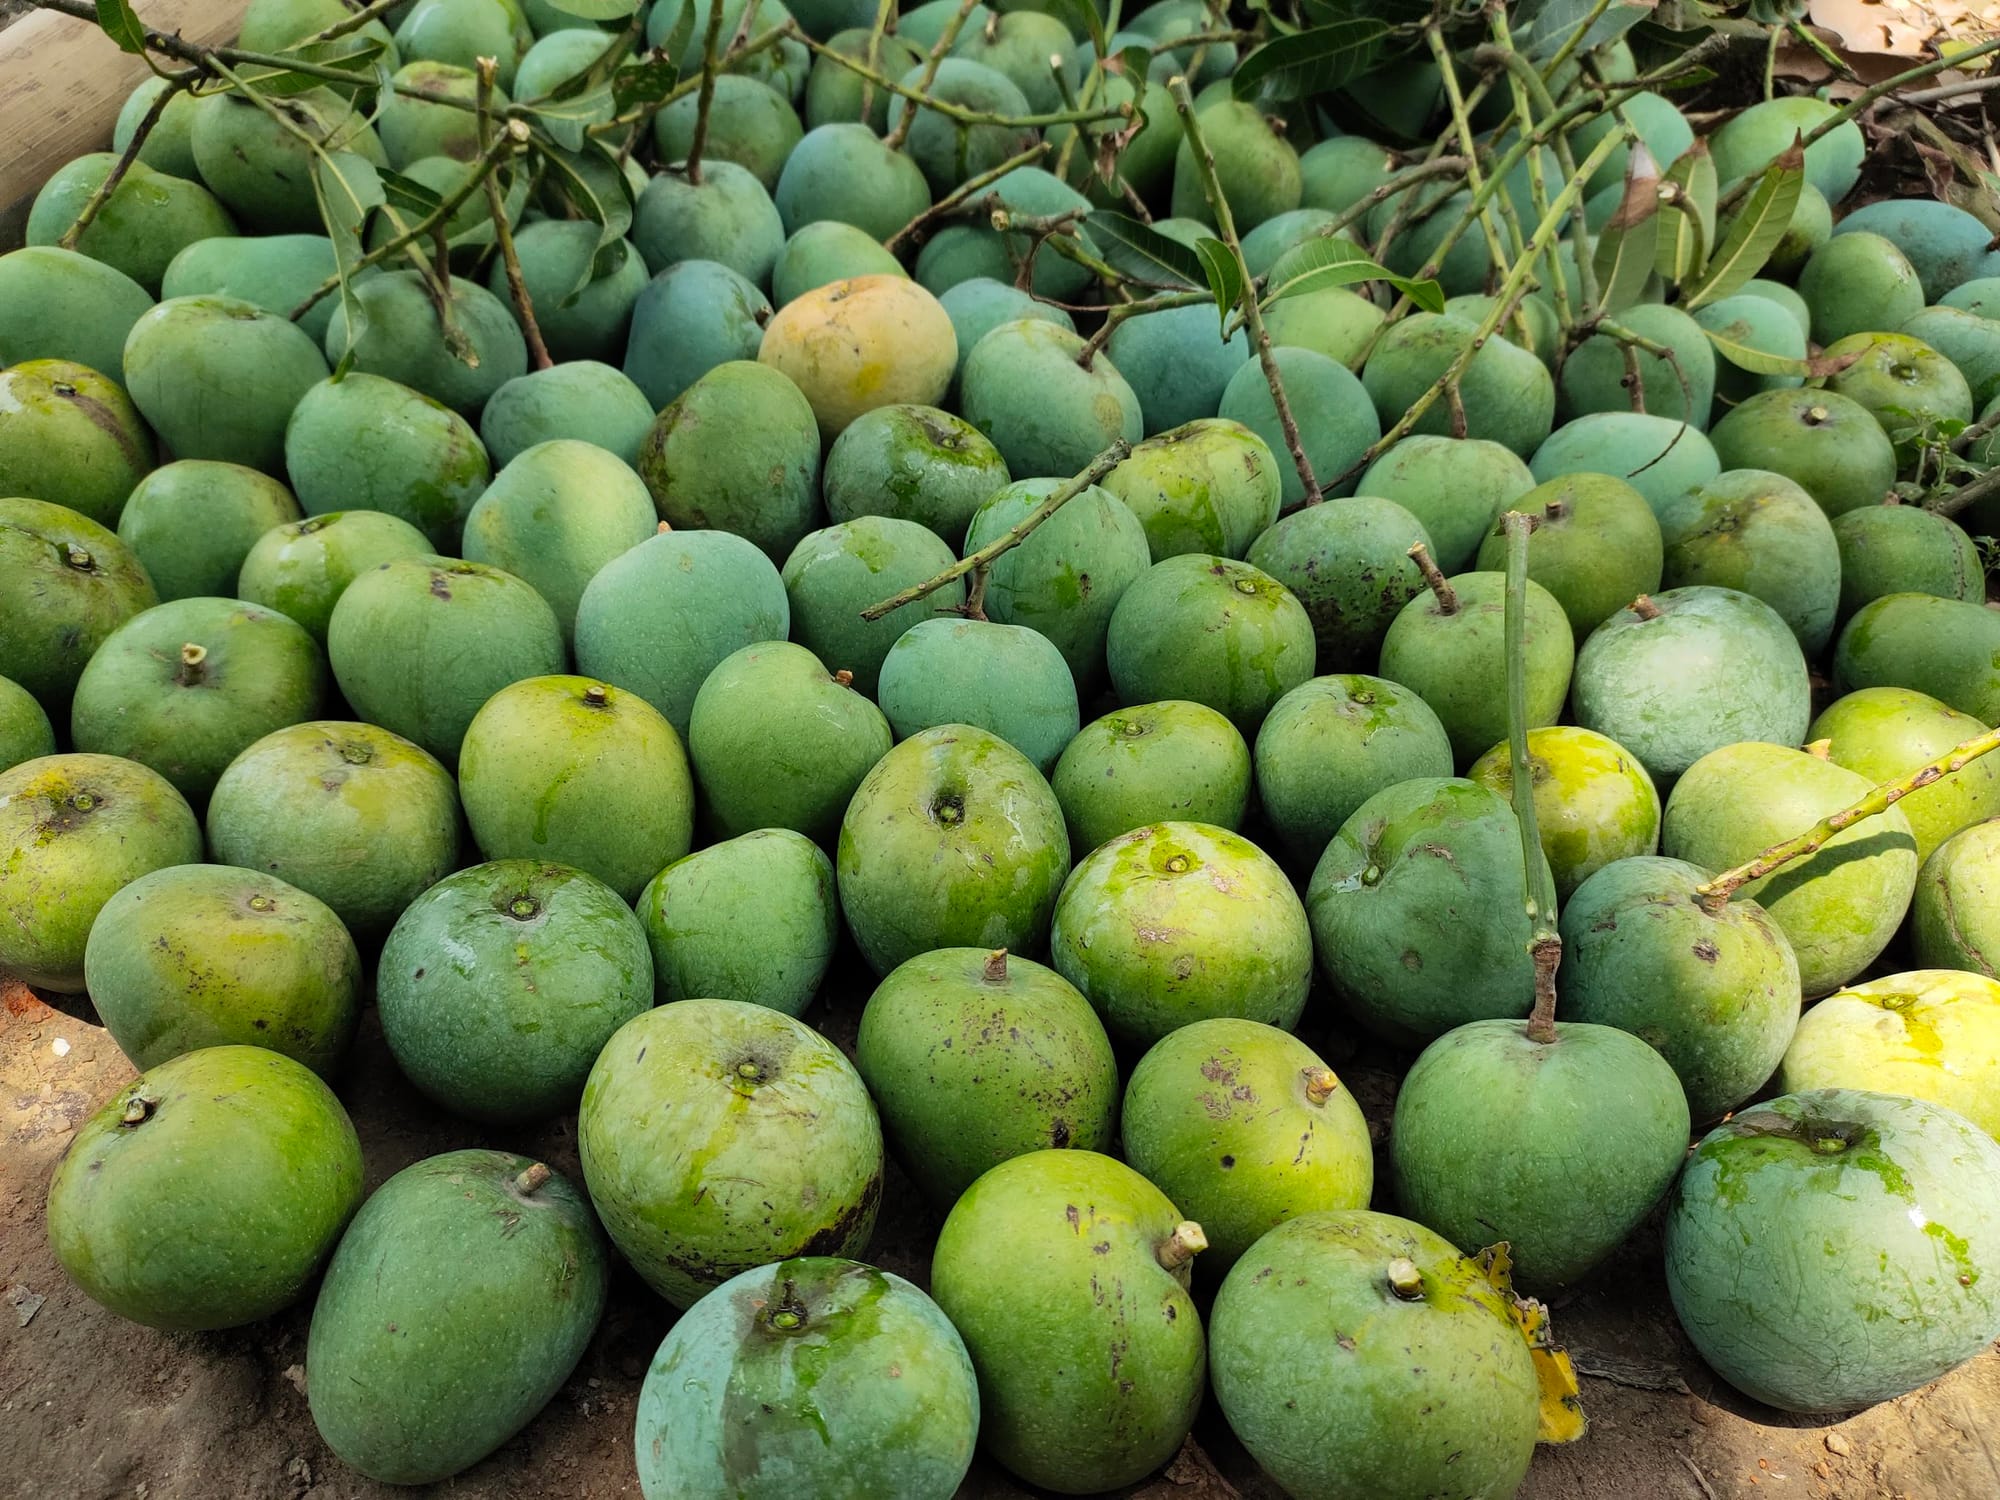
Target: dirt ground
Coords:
[[94, 1408]]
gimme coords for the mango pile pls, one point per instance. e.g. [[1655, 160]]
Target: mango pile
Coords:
[[1138, 533]]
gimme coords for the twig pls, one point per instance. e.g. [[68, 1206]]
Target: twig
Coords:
[[1951, 90], [496, 205], [1098, 467], [956, 198], [956, 112], [130, 154], [1714, 893], [1708, 1490], [921, 94], [711, 39], [1113, 316], [1632, 342], [1985, 487], [1253, 317], [1538, 885], [374, 12], [1575, 39], [1454, 99]]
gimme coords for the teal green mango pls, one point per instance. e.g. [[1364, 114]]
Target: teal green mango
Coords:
[[834, 574], [1595, 545], [415, 123], [1456, 487], [148, 219], [950, 151], [717, 1136], [1859, 283], [191, 524], [218, 378], [725, 217], [1751, 140], [206, 956], [688, 320], [915, 463], [825, 251], [980, 304], [1658, 456], [302, 568], [1048, 414], [751, 918], [750, 124], [1333, 411], [581, 400], [263, 166], [403, 339], [1760, 325], [583, 296], [1177, 363], [1507, 394], [367, 443], [276, 272], [1259, 168], [74, 831], [1152, 763], [25, 731], [500, 984], [1593, 376], [65, 584], [57, 304], [459, 1301], [208, 1192], [1829, 445], [843, 170], [167, 147], [1003, 678], [350, 813], [463, 31], [1350, 566], [1946, 648], [1898, 549], [1760, 534], [71, 437], [834, 94]]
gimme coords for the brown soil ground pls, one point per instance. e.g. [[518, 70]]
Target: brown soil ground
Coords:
[[94, 1408]]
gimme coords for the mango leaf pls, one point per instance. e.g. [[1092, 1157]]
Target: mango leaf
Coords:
[[568, 121], [1687, 217], [1762, 362], [1225, 277], [1293, 67], [115, 20], [597, 10], [1544, 29], [644, 83], [1561, 1406], [408, 196], [1082, 19], [1629, 243], [1328, 261], [1755, 231], [594, 186], [339, 53], [348, 188], [1143, 253]]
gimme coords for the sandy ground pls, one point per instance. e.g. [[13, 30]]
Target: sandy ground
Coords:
[[93, 1408]]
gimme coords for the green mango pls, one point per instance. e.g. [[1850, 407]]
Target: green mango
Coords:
[[301, 569], [1658, 456], [1456, 487], [560, 55], [1895, 549], [1438, 1394], [218, 378], [1177, 364], [1003, 678], [883, 1403], [185, 686], [468, 232], [1209, 486], [659, 618], [1265, 245], [191, 524], [717, 1136], [1946, 648], [843, 170], [1507, 394], [1947, 245], [1243, 1124], [545, 756], [950, 151], [834, 574], [149, 218], [25, 731], [1025, 387], [275, 25], [1449, 648], [1828, 444], [1750, 141], [1886, 732], [1760, 534], [366, 443], [1859, 283], [977, 1057], [1401, 912], [783, 67], [208, 1192], [555, 515], [1595, 545], [915, 463], [1811, 227], [1081, 1389], [1333, 321], [1761, 325], [1969, 341], [750, 125], [65, 584], [1153, 763], [1594, 802], [350, 813], [1175, 923], [1981, 294], [1838, 907], [500, 984], [1337, 173], [1485, 1132], [168, 146], [1258, 168], [458, 1303], [1908, 386], [71, 437], [196, 956], [1333, 742], [581, 400], [1689, 672], [1952, 915], [751, 918], [1068, 575], [980, 304], [1212, 631], [725, 217], [463, 31], [74, 831], [1714, 992], [1931, 1035], [1335, 416], [420, 643], [416, 121], [1900, 1189], [1019, 44], [583, 296], [263, 166], [738, 450], [57, 304], [1594, 374], [826, 251], [953, 839], [402, 339], [838, 95], [690, 319]]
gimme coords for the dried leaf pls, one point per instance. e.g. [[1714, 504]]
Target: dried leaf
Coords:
[[1562, 1418]]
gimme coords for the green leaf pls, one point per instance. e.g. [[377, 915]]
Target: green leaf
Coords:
[[1225, 277], [1082, 19], [1293, 67], [1544, 29], [1628, 245], [1326, 261], [642, 84], [597, 10], [1143, 253], [1756, 361], [348, 188], [1755, 232], [594, 186], [115, 20], [568, 121], [1687, 220], [408, 196], [278, 83]]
